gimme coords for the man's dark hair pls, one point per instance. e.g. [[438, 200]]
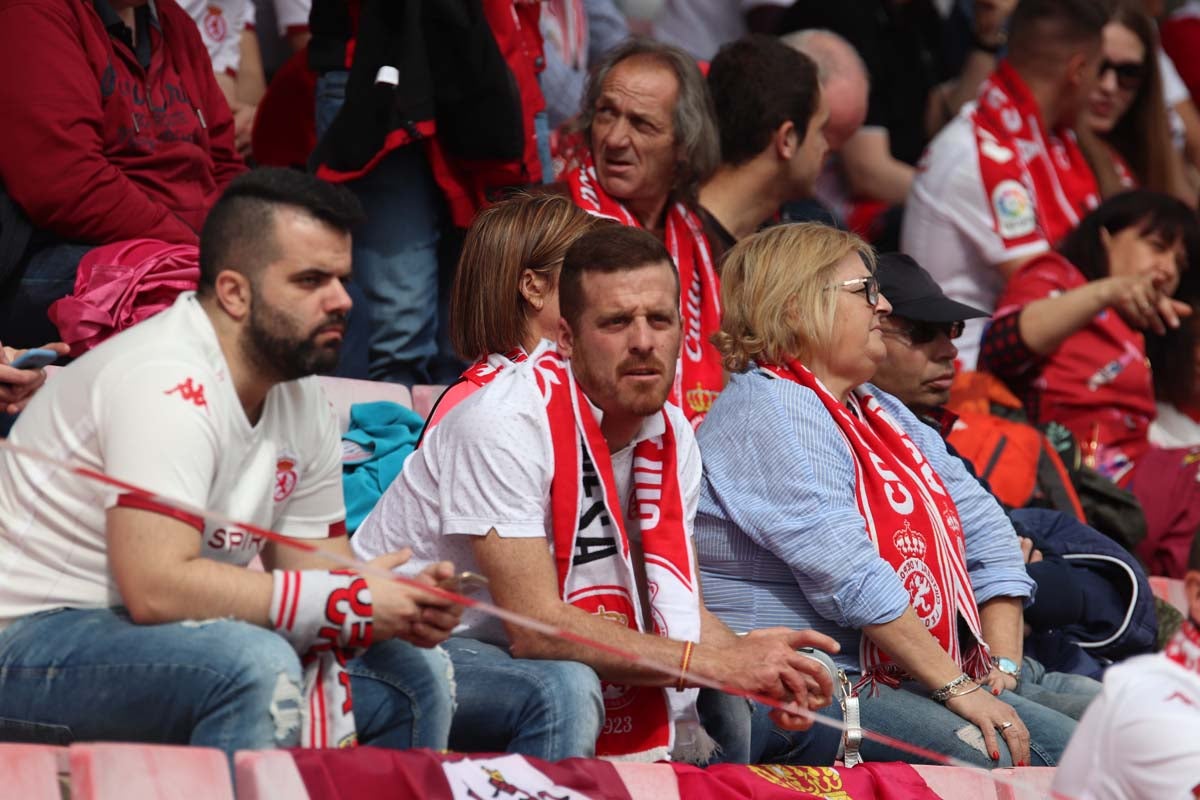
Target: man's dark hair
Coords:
[[1194, 558], [609, 249], [1038, 27], [758, 83], [239, 233]]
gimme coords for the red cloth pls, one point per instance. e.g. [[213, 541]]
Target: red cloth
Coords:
[[285, 126], [376, 772], [1165, 482], [883, 781], [1180, 34], [1007, 122], [1098, 382], [71, 154], [119, 285]]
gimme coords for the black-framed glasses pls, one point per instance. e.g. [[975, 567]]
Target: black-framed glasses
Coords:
[[925, 332], [1129, 73], [870, 288]]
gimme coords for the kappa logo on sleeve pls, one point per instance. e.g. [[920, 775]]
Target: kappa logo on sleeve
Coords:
[[1014, 210], [192, 392], [214, 23]]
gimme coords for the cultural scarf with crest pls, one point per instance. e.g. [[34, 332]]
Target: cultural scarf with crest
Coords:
[[595, 568], [913, 522], [1054, 167], [700, 375]]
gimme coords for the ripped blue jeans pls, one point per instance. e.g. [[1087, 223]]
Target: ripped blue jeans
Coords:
[[93, 674]]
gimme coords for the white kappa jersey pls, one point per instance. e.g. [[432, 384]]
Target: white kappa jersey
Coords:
[[221, 23], [155, 406], [958, 230], [1140, 738]]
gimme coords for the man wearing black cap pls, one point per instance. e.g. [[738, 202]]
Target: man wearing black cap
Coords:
[[920, 352], [1076, 599]]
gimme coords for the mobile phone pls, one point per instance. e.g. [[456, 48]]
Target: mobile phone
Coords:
[[464, 583], [34, 358]]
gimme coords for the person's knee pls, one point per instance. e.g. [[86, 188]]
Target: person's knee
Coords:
[[261, 672], [574, 688]]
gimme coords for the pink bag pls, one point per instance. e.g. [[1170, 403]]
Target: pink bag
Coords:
[[118, 285]]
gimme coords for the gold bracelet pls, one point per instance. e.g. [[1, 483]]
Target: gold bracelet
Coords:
[[684, 664]]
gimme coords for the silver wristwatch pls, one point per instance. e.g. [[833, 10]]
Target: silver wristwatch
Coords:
[[1008, 667]]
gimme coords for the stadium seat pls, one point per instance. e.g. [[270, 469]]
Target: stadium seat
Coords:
[[268, 775], [30, 771], [1036, 783], [1171, 591], [104, 771], [423, 398], [953, 783], [648, 781], [345, 392]]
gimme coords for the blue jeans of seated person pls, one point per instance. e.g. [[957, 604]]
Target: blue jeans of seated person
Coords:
[[396, 261], [47, 274], [909, 714], [553, 709], [93, 674]]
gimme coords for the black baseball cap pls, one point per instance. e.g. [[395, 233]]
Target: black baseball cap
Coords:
[[915, 295]]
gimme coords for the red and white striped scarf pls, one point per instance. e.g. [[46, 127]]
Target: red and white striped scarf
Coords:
[[595, 569], [1056, 171], [1184, 647], [700, 376], [913, 522], [327, 618]]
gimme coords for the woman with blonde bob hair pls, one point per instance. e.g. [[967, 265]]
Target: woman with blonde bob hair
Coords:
[[505, 294], [826, 504]]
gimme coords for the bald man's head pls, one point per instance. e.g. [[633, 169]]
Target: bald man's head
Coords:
[[844, 80]]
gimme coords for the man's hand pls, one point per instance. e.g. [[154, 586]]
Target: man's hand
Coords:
[[18, 385], [990, 18], [1030, 553], [243, 127], [403, 612], [766, 662]]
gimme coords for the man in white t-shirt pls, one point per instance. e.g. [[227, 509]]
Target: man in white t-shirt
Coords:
[[1140, 740], [1005, 180], [124, 616], [573, 487]]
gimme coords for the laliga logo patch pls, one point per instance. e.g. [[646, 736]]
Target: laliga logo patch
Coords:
[[285, 477], [923, 592], [214, 23], [1013, 209]]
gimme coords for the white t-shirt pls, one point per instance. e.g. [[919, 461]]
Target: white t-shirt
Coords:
[[221, 23], [488, 464], [950, 223], [154, 406], [701, 26], [1139, 739]]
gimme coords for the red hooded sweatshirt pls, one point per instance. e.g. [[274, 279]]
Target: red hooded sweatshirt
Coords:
[[94, 147]]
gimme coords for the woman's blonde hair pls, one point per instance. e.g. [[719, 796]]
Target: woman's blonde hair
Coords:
[[774, 293], [488, 313]]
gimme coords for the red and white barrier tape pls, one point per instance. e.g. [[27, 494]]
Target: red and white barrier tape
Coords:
[[512, 617]]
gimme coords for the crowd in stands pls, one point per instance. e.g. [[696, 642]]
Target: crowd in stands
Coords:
[[841, 353]]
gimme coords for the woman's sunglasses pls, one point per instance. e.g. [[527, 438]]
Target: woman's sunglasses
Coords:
[[1129, 73]]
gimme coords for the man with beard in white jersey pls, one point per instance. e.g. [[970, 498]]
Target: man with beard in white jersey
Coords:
[[125, 617]]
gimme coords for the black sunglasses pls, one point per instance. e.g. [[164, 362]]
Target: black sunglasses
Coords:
[[1129, 73], [925, 332]]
